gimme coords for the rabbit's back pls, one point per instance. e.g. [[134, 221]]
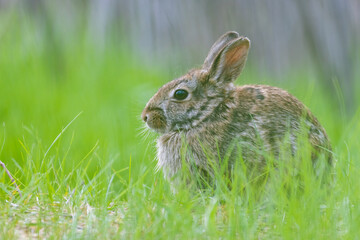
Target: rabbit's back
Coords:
[[270, 114]]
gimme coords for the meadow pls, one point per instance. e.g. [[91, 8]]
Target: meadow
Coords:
[[71, 137]]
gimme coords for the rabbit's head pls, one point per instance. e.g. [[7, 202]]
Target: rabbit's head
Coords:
[[185, 102]]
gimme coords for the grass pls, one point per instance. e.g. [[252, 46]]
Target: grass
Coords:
[[70, 138]]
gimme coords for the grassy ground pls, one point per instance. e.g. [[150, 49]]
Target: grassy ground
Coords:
[[70, 117]]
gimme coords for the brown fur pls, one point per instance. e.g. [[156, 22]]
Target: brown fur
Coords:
[[218, 119]]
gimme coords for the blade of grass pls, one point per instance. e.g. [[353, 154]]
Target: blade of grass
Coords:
[[58, 136]]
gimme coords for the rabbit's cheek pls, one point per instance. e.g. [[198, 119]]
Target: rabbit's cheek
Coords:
[[156, 121]]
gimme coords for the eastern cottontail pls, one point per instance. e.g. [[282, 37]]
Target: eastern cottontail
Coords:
[[204, 110]]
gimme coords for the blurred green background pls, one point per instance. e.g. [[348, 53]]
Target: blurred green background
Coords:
[[106, 58]]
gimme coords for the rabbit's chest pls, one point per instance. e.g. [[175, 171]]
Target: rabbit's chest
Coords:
[[174, 149]]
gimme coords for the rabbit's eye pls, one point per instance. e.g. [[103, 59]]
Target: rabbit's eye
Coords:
[[180, 94]]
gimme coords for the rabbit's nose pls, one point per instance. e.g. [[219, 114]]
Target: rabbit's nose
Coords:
[[144, 116]]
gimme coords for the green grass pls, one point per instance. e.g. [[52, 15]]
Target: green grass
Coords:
[[70, 137]]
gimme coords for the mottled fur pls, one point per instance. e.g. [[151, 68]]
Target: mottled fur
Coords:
[[218, 119]]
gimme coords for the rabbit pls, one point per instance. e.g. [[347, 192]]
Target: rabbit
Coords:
[[215, 119]]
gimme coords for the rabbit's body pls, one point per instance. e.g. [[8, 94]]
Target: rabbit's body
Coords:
[[213, 119], [253, 125]]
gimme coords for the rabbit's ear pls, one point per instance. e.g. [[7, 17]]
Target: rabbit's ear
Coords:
[[217, 47], [230, 61]]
